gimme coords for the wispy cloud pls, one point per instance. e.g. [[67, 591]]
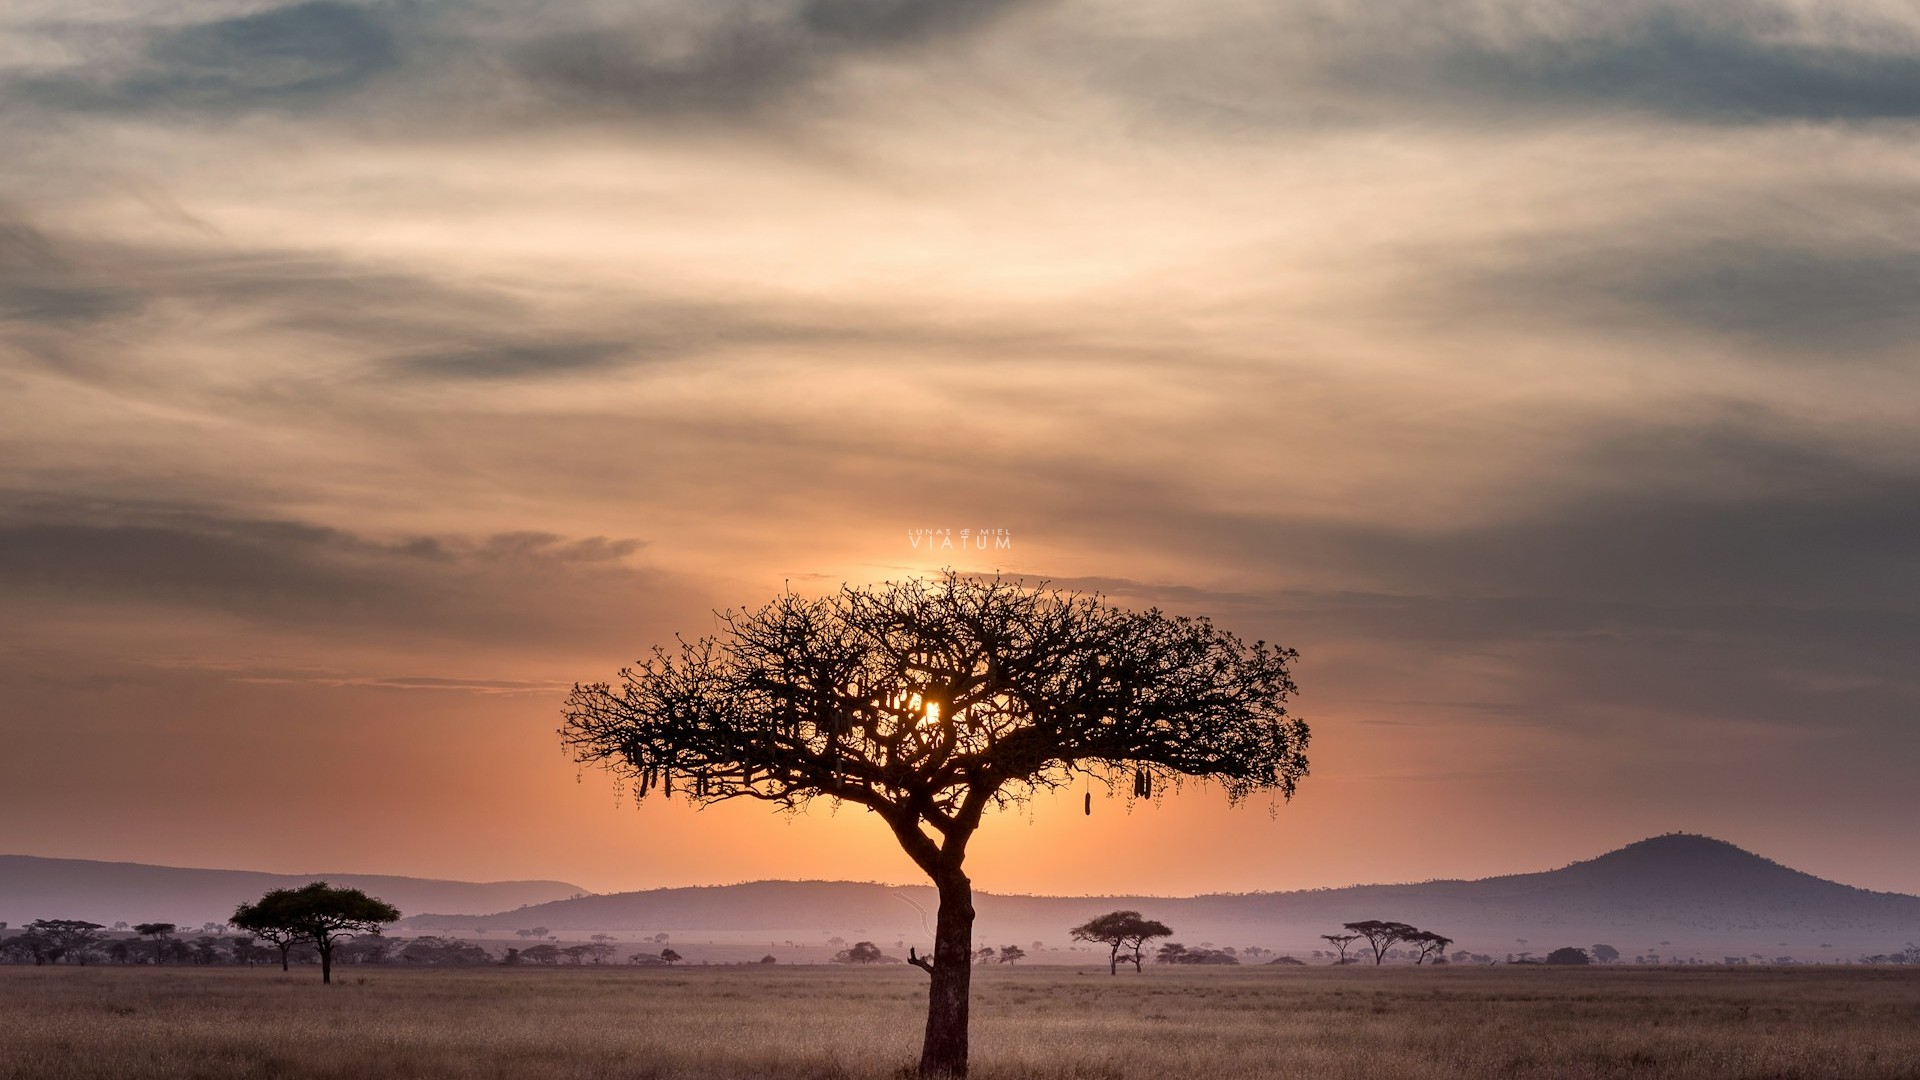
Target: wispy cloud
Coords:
[[281, 58], [282, 576], [1542, 370]]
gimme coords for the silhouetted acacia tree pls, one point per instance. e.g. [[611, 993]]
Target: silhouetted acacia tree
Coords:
[[928, 703], [1120, 930], [1381, 936], [1428, 944], [1342, 942], [1568, 955], [156, 931], [317, 913], [1012, 954], [670, 957], [1606, 954], [280, 937], [50, 940]]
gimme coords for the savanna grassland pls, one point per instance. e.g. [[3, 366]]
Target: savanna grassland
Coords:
[[1039, 1023]]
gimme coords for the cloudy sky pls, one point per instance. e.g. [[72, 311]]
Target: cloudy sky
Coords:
[[1544, 372]]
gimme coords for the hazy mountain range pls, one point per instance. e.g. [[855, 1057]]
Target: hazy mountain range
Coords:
[[1660, 894], [108, 892], [1667, 894]]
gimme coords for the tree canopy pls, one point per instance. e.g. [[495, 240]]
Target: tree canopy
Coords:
[[50, 940], [1381, 935], [1428, 946], [1119, 930], [930, 702], [1341, 942], [316, 912], [861, 952], [157, 931]]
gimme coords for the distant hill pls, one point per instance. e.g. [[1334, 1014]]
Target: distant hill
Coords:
[[1704, 892], [108, 892]]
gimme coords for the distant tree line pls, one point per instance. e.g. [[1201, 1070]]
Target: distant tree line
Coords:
[[277, 927], [71, 941], [1175, 953]]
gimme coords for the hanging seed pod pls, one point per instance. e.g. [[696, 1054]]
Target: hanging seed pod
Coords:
[[1089, 804]]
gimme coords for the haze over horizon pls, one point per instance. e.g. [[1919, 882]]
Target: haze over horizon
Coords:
[[1544, 372]]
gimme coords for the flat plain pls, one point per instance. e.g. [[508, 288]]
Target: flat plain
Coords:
[[1029, 1023]]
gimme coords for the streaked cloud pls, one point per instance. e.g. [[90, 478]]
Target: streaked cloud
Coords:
[[1542, 370], [279, 576], [278, 58]]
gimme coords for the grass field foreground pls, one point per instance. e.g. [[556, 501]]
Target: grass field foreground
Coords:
[[1029, 1024]]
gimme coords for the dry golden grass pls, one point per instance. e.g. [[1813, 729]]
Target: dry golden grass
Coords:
[[1034, 1023]]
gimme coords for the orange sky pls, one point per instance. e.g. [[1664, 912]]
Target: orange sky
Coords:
[[368, 374]]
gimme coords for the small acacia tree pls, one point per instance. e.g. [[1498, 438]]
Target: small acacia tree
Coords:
[[928, 704], [52, 939], [1431, 946], [1381, 936], [1342, 942], [316, 913], [1121, 930], [158, 931]]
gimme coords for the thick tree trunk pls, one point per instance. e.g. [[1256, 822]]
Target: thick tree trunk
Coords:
[[1113, 960], [326, 964], [944, 1054], [284, 950]]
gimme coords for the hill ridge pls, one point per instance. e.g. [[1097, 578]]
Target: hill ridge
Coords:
[[1675, 884], [105, 891]]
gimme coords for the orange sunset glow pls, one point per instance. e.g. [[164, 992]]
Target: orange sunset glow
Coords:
[[370, 374]]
